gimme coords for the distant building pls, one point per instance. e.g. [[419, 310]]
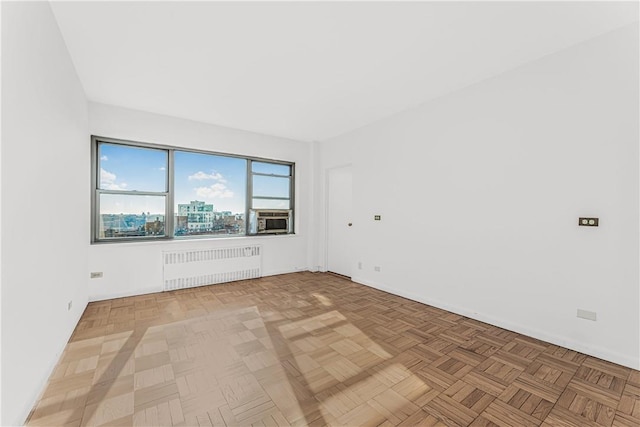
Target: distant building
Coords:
[[143, 224], [154, 225], [200, 216], [182, 225], [195, 206]]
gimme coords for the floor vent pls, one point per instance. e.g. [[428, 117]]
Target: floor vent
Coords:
[[191, 268]]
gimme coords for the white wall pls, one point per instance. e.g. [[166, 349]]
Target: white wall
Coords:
[[480, 193], [134, 268], [45, 193]]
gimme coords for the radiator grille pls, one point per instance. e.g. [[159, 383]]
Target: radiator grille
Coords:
[[190, 268]]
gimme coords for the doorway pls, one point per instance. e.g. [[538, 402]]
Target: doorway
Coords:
[[339, 221]]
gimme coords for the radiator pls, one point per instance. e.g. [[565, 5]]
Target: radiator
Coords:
[[199, 267]]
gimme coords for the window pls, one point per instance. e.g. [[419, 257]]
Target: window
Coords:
[[143, 191], [132, 191], [210, 194], [271, 185]]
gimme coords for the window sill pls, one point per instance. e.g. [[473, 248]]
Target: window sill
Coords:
[[185, 240]]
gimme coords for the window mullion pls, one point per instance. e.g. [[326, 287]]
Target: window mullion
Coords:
[[270, 198], [135, 193], [169, 221], [249, 201], [96, 216], [271, 175]]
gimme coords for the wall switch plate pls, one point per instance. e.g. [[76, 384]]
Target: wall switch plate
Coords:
[[376, 217], [359, 266], [586, 314], [376, 268], [588, 222], [96, 274]]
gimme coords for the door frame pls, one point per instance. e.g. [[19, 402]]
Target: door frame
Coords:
[[326, 209]]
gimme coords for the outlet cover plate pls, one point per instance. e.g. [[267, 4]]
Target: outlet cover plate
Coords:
[[588, 222], [586, 314]]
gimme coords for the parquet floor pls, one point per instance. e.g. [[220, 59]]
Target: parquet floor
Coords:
[[315, 349]]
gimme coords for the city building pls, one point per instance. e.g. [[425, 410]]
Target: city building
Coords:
[[200, 216]]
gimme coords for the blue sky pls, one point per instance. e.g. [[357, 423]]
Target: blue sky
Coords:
[[216, 180]]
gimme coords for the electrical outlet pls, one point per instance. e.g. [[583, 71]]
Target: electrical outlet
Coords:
[[586, 314], [96, 274], [588, 222], [69, 305], [359, 265], [377, 217], [376, 268]]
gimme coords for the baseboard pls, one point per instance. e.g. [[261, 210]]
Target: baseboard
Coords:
[[285, 271], [104, 297], [599, 352], [26, 410]]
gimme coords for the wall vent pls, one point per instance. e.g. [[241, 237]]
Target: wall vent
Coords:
[[200, 267]]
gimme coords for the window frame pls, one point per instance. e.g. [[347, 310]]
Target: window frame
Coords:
[[169, 222], [251, 196]]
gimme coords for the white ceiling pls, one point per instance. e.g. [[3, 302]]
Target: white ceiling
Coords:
[[310, 70]]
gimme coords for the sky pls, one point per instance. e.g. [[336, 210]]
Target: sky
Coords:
[[213, 179], [216, 180]]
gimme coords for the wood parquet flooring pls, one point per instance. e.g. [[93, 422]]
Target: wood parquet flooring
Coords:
[[316, 349]]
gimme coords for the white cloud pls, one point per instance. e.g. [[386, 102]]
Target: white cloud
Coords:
[[106, 176], [162, 168], [104, 158], [200, 176], [215, 191], [108, 181]]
